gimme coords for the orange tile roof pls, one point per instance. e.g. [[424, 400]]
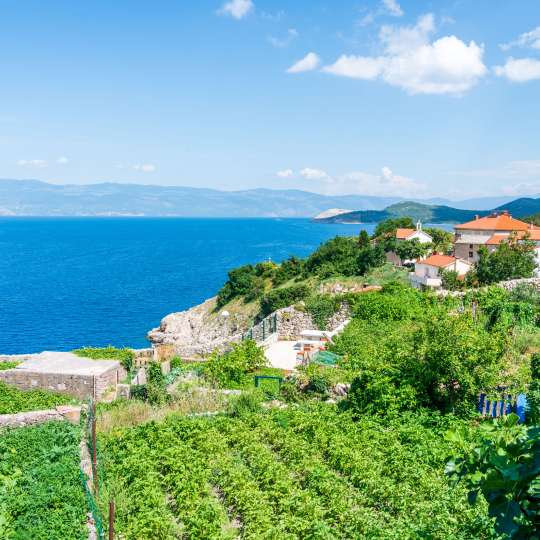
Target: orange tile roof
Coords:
[[403, 234], [501, 222], [531, 234], [440, 261]]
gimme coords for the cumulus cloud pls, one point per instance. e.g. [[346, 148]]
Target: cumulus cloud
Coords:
[[314, 174], [145, 167], [33, 163], [412, 62], [63, 160], [519, 69], [310, 62], [527, 39], [237, 8], [281, 43], [393, 8], [285, 173], [385, 183]]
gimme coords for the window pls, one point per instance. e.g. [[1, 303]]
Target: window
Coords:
[[471, 254], [470, 246]]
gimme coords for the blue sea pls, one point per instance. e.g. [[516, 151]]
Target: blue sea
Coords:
[[72, 282]]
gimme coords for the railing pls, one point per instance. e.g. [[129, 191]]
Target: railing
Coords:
[[503, 406], [262, 330]]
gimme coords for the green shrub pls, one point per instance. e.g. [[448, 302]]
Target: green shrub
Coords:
[[125, 356], [13, 400], [280, 298], [176, 362], [247, 403], [322, 307], [232, 367], [156, 390], [239, 283], [533, 394], [4, 366]]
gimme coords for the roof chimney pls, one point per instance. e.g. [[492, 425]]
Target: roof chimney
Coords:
[[476, 216], [505, 213]]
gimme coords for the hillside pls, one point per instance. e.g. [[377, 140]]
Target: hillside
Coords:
[[37, 198], [520, 208]]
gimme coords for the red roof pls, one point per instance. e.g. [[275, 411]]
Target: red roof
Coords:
[[500, 222], [403, 234], [497, 239], [440, 261], [531, 234]]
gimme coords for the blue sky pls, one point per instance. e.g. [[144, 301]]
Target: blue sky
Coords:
[[377, 97]]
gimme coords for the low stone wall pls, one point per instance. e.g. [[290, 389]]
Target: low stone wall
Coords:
[[79, 386], [291, 321], [73, 414], [513, 283]]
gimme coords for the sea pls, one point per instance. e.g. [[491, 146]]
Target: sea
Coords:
[[73, 282]]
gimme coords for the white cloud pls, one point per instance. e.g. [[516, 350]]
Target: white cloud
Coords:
[[145, 167], [285, 173], [33, 163], [310, 62], [281, 43], [519, 69], [527, 39], [410, 61], [393, 8], [237, 8], [63, 160], [314, 174], [383, 184]]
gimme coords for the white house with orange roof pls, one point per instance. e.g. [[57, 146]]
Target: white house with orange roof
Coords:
[[489, 231], [427, 272], [406, 235]]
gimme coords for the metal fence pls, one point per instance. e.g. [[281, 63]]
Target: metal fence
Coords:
[[502, 405], [262, 330]]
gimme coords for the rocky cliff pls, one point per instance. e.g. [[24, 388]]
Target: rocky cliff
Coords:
[[200, 330]]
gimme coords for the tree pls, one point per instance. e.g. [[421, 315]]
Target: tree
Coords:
[[514, 258], [503, 466], [370, 257], [443, 241], [411, 249], [450, 280], [363, 239], [389, 226]]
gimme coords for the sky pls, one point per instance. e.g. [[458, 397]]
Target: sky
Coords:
[[375, 97]]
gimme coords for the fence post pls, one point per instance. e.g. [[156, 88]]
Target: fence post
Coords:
[[94, 448], [111, 520]]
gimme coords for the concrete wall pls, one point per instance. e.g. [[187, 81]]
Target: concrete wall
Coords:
[[79, 386]]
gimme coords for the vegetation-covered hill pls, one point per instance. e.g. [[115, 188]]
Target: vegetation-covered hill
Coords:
[[433, 213]]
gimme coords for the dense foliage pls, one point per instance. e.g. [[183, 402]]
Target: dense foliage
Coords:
[[41, 496], [232, 367], [307, 472], [124, 356], [8, 365], [502, 463], [283, 297], [512, 259], [13, 400]]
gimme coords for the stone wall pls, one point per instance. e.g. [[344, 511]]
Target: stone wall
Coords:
[[291, 321], [513, 283], [73, 414], [79, 386]]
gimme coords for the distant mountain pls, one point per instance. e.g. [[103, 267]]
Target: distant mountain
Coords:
[[433, 213], [36, 198]]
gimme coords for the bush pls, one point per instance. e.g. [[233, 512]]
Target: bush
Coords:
[[245, 404], [231, 367], [239, 282], [125, 356], [280, 298], [450, 281], [335, 257], [533, 395], [322, 307], [13, 400], [176, 362]]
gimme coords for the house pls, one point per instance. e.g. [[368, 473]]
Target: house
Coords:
[[427, 272], [406, 235], [488, 231]]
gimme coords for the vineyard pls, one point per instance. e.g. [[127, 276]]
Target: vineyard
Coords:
[[41, 496], [285, 474]]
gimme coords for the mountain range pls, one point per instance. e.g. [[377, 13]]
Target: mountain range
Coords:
[[38, 198], [519, 208]]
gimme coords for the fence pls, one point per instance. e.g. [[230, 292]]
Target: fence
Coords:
[[91, 441], [262, 330], [503, 406]]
